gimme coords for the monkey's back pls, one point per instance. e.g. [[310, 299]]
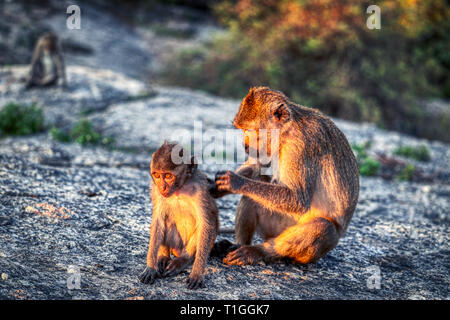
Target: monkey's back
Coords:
[[337, 182]]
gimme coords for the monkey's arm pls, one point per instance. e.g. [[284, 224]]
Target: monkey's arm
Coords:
[[60, 67], [272, 196], [205, 240], [156, 237], [245, 170], [214, 192], [34, 64]]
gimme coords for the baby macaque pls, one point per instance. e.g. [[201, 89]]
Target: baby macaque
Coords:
[[184, 220]]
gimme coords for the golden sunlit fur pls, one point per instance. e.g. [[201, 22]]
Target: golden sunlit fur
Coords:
[[184, 221], [306, 207]]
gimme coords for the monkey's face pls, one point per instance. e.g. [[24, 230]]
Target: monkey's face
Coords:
[[258, 142], [167, 175], [167, 182], [48, 44], [261, 112]]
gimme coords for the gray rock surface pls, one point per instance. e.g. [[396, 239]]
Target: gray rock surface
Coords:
[[64, 208], [68, 212], [89, 91]]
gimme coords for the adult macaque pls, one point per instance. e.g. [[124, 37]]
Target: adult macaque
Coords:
[[47, 64], [184, 219], [307, 205]]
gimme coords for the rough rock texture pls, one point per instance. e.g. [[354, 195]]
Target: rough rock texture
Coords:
[[66, 208]]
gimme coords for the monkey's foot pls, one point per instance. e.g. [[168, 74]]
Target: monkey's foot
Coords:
[[244, 255], [222, 248], [195, 282], [163, 262], [175, 266], [148, 276]]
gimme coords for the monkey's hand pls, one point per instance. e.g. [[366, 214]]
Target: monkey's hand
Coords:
[[163, 262], [175, 266], [214, 191], [229, 181], [148, 276], [195, 282]]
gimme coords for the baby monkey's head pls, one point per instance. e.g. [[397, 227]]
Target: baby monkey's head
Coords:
[[168, 170]]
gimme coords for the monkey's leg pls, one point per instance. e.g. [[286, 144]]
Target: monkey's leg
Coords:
[[156, 240], [32, 81], [303, 243], [36, 73], [163, 258], [222, 248], [178, 264], [206, 235], [48, 80], [246, 220]]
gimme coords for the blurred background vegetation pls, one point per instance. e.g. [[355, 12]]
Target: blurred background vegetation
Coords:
[[321, 54]]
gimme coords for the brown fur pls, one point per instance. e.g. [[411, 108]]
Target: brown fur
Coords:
[[47, 47], [184, 221], [306, 207]]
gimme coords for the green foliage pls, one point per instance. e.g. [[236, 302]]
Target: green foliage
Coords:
[[368, 166], [18, 119], [407, 173], [420, 153], [321, 54], [59, 135], [83, 133], [166, 31]]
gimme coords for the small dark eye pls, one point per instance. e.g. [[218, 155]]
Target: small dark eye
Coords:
[[156, 175], [169, 176]]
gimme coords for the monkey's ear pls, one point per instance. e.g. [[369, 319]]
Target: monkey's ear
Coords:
[[250, 98], [281, 113]]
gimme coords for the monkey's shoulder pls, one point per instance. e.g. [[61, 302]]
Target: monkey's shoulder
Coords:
[[196, 185]]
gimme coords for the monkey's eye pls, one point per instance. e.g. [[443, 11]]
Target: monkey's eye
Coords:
[[169, 176], [156, 175]]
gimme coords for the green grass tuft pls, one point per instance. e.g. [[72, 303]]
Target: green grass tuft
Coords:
[[368, 166], [407, 173], [22, 120], [83, 133], [420, 153]]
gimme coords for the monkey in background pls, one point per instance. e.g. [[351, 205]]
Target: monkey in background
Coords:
[[307, 205], [47, 64], [184, 219]]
